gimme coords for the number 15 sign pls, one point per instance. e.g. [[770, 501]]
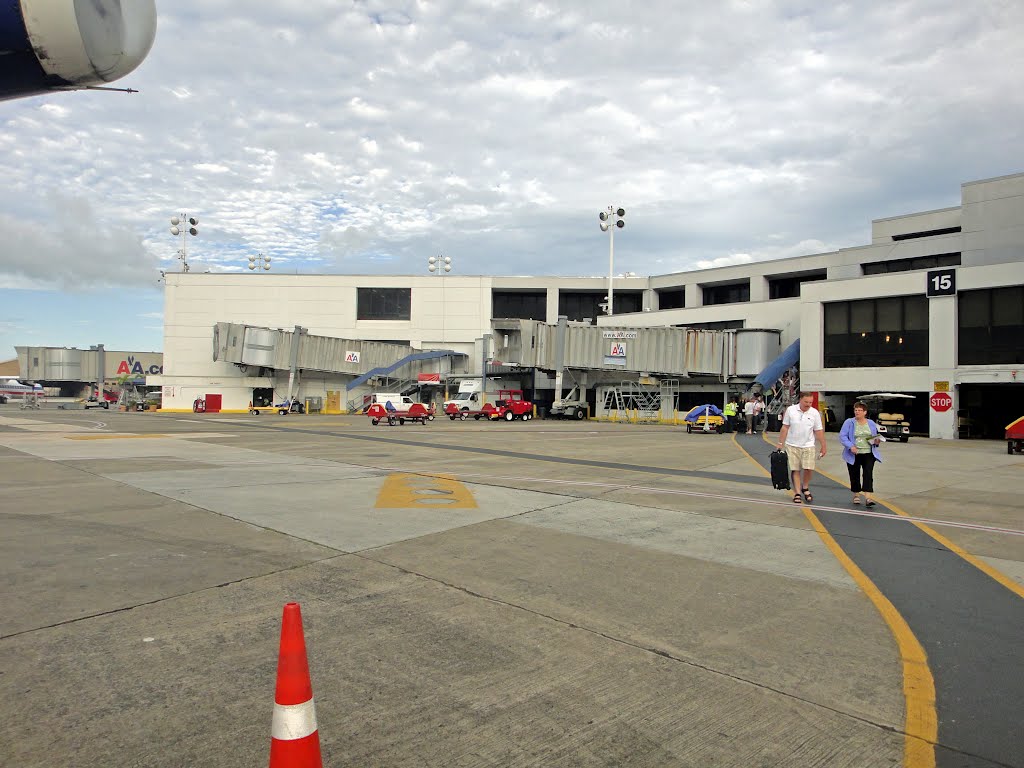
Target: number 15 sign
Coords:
[[942, 282]]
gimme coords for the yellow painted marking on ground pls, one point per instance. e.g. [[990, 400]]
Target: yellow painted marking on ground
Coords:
[[922, 724], [921, 728], [981, 565], [404, 490], [110, 437]]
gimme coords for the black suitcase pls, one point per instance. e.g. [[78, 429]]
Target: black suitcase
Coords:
[[780, 471]]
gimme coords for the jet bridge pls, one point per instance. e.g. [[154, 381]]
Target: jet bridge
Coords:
[[250, 346], [613, 353], [639, 372], [592, 356]]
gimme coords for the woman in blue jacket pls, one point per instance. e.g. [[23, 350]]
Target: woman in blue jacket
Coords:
[[860, 440]]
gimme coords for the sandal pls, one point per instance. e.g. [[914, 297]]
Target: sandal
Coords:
[[869, 503], [807, 497], [797, 499], [856, 498]]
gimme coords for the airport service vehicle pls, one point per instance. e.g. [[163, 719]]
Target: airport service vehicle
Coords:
[[390, 415], [1015, 436], [705, 418], [569, 407], [92, 402], [892, 424], [294, 406], [453, 411], [467, 399], [283, 408], [510, 406]]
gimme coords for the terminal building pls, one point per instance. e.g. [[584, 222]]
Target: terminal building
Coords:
[[932, 307]]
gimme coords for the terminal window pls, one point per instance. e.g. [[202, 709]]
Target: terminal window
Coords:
[[789, 287], [910, 265], [383, 303], [991, 326], [671, 299], [577, 306], [726, 294], [884, 332], [520, 305]]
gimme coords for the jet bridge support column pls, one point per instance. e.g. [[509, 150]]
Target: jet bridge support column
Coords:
[[101, 370], [485, 347], [560, 329], [294, 363]]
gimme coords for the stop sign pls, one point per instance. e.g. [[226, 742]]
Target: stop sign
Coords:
[[940, 402]]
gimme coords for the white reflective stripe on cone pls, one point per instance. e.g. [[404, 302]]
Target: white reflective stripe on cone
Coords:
[[293, 721]]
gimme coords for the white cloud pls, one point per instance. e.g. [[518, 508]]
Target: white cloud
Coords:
[[365, 136], [731, 260]]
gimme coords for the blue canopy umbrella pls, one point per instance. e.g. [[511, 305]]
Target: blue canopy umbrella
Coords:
[[702, 410]]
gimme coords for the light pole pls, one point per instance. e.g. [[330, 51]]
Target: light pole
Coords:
[[180, 225], [259, 261], [440, 266], [611, 219]]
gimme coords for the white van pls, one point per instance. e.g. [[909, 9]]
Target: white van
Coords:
[[467, 398], [401, 402]]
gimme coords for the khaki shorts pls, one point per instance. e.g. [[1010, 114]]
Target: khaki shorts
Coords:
[[801, 458]]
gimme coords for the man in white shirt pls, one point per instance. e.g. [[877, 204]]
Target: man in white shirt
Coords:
[[748, 414], [801, 426]]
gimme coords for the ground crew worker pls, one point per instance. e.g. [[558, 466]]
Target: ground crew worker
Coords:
[[731, 411]]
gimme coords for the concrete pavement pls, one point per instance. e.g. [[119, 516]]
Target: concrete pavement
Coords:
[[618, 595]]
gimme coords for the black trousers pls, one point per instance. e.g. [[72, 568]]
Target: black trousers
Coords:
[[862, 462]]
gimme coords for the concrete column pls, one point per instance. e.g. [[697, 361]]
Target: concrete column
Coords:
[[693, 295], [758, 288], [552, 307], [650, 300], [942, 354]]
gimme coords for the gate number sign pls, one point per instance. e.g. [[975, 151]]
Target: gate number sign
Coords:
[[942, 282]]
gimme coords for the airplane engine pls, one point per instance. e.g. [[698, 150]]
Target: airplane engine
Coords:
[[62, 45]]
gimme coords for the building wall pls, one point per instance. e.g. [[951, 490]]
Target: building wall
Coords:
[[454, 311]]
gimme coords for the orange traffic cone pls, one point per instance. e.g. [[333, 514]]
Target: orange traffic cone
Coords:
[[295, 742]]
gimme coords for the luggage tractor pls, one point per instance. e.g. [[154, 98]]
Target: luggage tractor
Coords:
[[510, 406], [890, 414]]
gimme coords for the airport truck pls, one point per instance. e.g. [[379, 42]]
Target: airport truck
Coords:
[[572, 406]]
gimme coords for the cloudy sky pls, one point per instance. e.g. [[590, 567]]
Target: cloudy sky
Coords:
[[340, 136]]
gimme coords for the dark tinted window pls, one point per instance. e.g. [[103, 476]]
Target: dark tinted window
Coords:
[[726, 294], [519, 304], [909, 265], [384, 303], [672, 299], [789, 287], [991, 326], [577, 306], [886, 332]]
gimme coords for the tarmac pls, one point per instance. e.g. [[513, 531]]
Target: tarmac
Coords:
[[539, 593]]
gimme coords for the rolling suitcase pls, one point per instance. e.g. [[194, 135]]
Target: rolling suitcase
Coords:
[[780, 470]]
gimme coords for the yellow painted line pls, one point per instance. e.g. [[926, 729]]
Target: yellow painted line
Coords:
[[405, 490], [921, 729], [921, 726], [110, 437], [981, 565]]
